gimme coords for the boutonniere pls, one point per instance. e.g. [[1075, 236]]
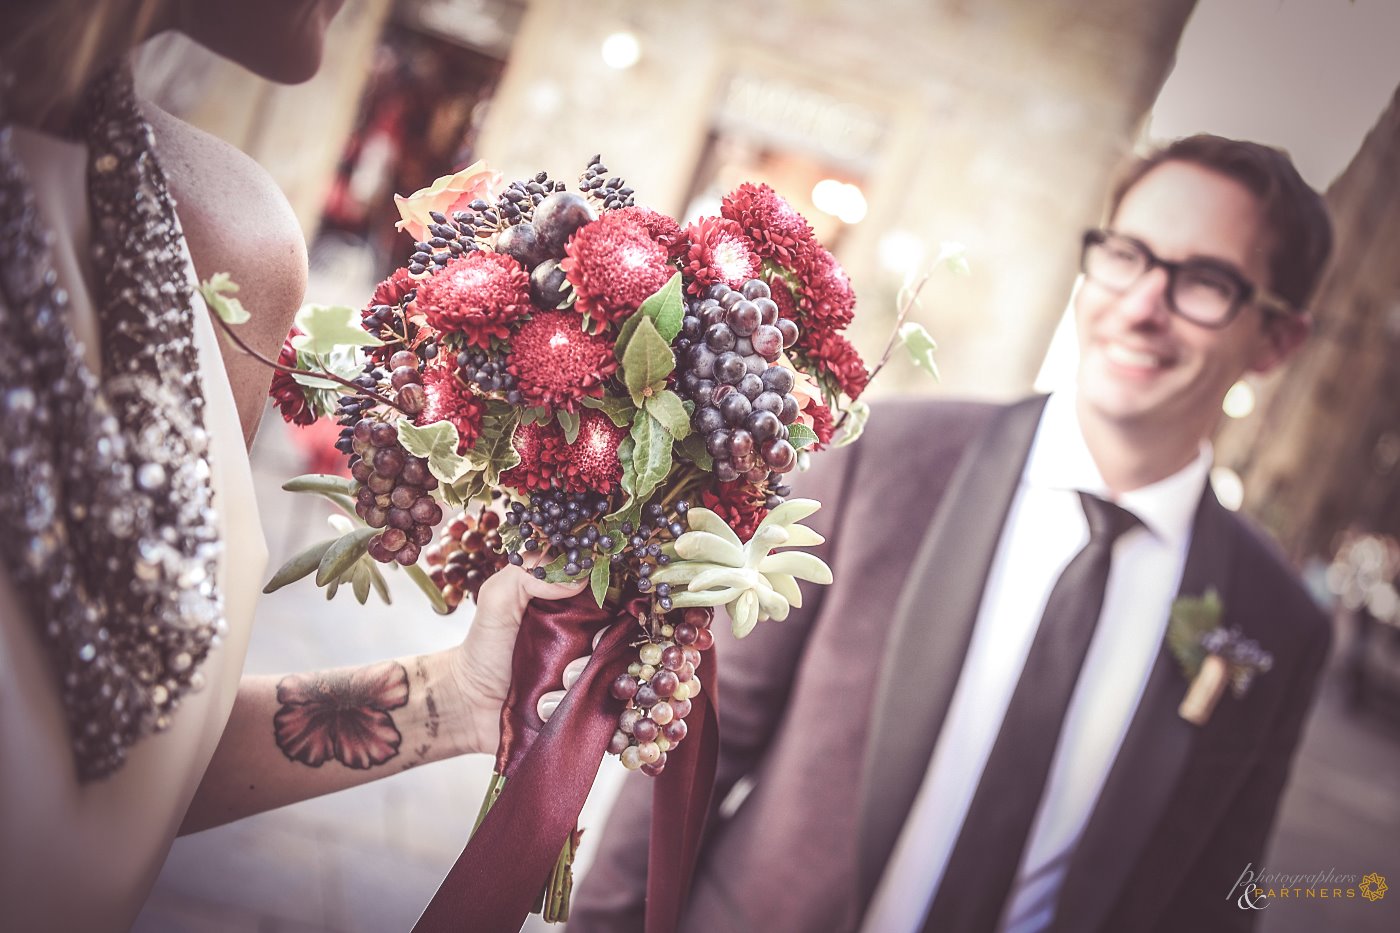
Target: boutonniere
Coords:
[[1211, 656]]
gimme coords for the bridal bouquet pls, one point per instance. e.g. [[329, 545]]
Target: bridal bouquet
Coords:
[[596, 392]]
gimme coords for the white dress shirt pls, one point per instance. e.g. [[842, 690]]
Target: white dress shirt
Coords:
[[1044, 529]]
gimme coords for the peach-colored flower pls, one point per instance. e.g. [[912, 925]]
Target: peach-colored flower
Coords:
[[449, 193]]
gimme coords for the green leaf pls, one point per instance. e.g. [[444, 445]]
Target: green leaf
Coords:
[[377, 580], [858, 413], [599, 579], [299, 566], [619, 409], [359, 579], [625, 451], [494, 451], [953, 256], [920, 344], [568, 420], [647, 361], [218, 292], [666, 308], [343, 552], [624, 335], [536, 416], [799, 435], [472, 486], [326, 328], [652, 456], [437, 443], [323, 483], [693, 449], [425, 583], [666, 407], [345, 362]]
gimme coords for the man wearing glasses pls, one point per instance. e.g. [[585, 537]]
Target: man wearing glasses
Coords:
[[980, 726]]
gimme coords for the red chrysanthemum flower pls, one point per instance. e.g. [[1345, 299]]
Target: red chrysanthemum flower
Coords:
[[590, 462], [478, 295], [775, 227], [826, 299], [290, 395], [739, 503], [822, 422], [450, 400], [393, 289], [555, 363], [540, 448], [836, 356], [614, 265], [717, 251], [661, 228]]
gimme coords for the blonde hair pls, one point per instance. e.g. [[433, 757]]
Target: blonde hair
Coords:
[[52, 48]]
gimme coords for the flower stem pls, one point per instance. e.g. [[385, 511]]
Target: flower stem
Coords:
[[493, 790], [293, 371], [905, 307]]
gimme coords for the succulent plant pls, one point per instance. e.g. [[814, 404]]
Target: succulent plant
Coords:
[[750, 581]]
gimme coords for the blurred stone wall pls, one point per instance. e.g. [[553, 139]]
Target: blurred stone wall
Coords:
[[995, 123], [1321, 450]]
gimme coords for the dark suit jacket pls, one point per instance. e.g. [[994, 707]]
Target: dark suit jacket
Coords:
[[830, 717]]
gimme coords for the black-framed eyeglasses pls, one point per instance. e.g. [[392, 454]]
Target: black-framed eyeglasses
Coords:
[[1203, 291]]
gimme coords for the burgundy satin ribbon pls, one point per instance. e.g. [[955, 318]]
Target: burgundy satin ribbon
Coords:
[[551, 767]]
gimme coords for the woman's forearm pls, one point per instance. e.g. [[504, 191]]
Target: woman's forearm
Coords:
[[297, 736]]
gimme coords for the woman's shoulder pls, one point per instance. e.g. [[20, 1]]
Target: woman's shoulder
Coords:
[[236, 220]]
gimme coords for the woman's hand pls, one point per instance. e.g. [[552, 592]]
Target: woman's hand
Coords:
[[481, 666]]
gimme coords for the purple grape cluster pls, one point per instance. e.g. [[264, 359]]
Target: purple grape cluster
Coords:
[[727, 361], [657, 689], [394, 494]]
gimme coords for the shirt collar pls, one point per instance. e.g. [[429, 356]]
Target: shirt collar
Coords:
[[1060, 459]]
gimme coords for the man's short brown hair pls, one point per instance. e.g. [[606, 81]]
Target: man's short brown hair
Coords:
[[1293, 211]]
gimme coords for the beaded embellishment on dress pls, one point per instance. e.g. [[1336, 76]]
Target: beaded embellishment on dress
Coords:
[[111, 538]]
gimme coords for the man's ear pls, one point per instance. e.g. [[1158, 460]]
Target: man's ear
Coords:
[[1283, 336]]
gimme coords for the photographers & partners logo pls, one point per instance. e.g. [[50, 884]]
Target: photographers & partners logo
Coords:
[[1258, 890]]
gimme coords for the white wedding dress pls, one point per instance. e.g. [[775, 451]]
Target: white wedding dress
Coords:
[[83, 856]]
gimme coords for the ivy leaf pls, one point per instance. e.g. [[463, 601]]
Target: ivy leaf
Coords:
[[920, 344], [858, 413], [218, 292], [666, 407], [666, 308], [569, 420], [345, 362], [647, 361], [799, 435], [953, 256], [599, 579], [619, 409], [652, 455], [693, 449], [327, 327], [437, 443], [494, 452]]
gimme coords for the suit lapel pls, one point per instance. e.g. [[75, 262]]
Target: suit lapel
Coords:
[[932, 627], [1154, 753]]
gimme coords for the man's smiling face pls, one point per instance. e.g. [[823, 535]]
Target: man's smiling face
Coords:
[[1143, 367]]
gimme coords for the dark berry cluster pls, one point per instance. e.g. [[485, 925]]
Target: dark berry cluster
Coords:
[[727, 355], [351, 408], [566, 522], [611, 193], [391, 325], [446, 240], [468, 551], [486, 370], [518, 202], [395, 493]]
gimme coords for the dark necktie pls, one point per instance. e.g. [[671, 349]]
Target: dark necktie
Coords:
[[983, 863]]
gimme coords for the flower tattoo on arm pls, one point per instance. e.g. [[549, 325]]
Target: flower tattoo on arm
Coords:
[[342, 715]]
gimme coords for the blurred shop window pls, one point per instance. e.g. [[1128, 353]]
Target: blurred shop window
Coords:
[[431, 83]]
